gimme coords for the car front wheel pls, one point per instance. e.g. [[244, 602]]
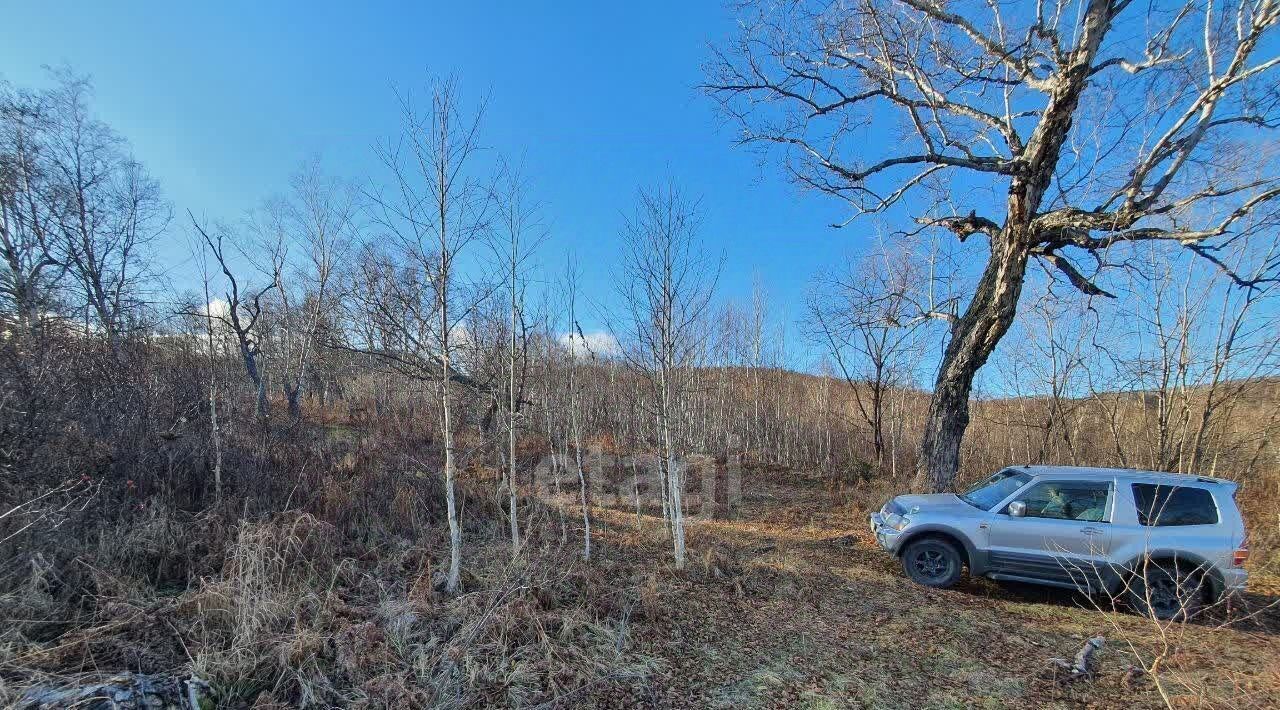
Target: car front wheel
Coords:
[[933, 563]]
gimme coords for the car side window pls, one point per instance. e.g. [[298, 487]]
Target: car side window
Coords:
[[1085, 501], [1164, 506]]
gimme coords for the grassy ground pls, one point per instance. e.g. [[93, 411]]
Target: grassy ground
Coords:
[[789, 605], [793, 605]]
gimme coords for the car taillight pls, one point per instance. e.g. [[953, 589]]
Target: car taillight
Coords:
[[1241, 556]]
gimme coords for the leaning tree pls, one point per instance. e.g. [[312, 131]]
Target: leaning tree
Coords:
[[1060, 131]]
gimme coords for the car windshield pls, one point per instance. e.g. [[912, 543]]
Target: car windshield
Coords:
[[995, 489]]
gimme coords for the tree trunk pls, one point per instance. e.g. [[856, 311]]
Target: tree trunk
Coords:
[[664, 474], [513, 519], [450, 498], [674, 491], [974, 336], [584, 498], [215, 429], [721, 494], [293, 395], [512, 508], [123, 691], [877, 419], [446, 405], [261, 407], [635, 489]]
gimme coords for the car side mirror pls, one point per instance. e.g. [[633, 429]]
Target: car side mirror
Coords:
[[1017, 509]]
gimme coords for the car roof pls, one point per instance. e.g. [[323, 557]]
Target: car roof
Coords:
[[1096, 473]]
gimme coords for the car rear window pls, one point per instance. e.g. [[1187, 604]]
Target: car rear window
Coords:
[[1162, 506]]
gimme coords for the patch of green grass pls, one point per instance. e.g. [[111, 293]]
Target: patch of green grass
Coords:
[[751, 690], [340, 432], [779, 672], [836, 693]]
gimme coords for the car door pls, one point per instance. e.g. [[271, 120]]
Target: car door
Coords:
[[1063, 538]]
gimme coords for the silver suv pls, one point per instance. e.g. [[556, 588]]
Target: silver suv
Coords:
[[1165, 542]]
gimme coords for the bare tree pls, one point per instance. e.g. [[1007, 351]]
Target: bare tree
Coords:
[[667, 284], [578, 350], [744, 339], [1045, 374], [865, 318], [29, 267], [317, 218], [1099, 122], [109, 212], [519, 234], [243, 310], [1190, 350], [434, 209], [215, 427]]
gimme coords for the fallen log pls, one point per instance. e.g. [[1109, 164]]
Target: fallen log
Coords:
[[123, 691], [1084, 665]]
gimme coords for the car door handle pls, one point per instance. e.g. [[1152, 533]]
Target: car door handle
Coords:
[[1091, 531]]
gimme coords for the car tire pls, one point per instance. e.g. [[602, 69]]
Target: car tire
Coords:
[[933, 563], [1165, 593]]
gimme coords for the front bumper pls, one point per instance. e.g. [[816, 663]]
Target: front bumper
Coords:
[[887, 537]]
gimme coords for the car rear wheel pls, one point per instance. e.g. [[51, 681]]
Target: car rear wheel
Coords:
[[932, 562], [1165, 593]]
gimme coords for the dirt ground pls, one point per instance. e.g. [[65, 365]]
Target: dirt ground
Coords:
[[792, 604]]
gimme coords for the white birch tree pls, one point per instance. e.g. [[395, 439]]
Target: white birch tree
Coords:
[[666, 286], [434, 209], [518, 235]]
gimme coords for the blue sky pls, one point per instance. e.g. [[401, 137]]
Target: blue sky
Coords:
[[222, 101]]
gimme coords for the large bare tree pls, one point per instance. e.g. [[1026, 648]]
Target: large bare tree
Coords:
[[109, 211], [1057, 130], [29, 266]]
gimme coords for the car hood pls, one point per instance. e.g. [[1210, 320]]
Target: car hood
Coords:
[[928, 503]]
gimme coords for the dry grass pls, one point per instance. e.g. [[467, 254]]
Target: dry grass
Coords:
[[788, 605], [296, 617]]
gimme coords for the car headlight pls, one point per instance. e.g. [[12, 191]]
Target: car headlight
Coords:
[[897, 522]]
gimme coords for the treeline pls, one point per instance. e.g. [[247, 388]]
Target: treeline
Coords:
[[407, 306]]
